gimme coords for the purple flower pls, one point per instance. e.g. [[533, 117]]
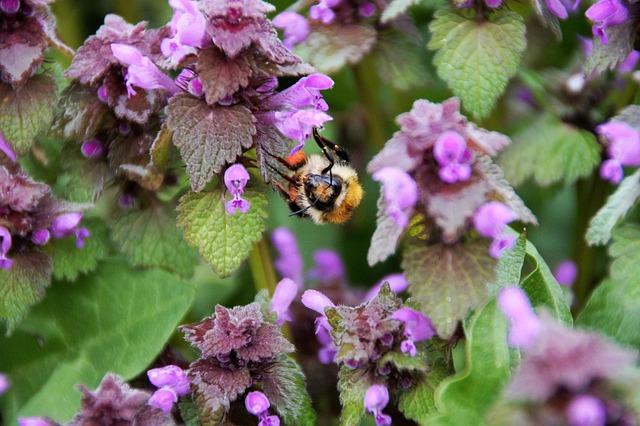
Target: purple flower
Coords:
[[490, 220], [629, 63], [40, 237], [524, 325], [566, 272], [289, 261], [65, 224], [623, 148], [10, 7], [170, 376], [298, 109], [103, 94], [92, 148], [163, 399], [285, 292], [328, 266], [81, 235], [316, 301], [417, 327], [4, 383], [141, 71], [5, 246], [366, 9], [611, 170], [604, 14], [35, 421], [375, 399], [235, 179], [188, 30], [400, 193], [269, 421], [561, 8], [256, 403], [453, 156], [493, 3], [323, 11], [327, 352], [586, 410], [397, 282], [295, 27], [6, 149]]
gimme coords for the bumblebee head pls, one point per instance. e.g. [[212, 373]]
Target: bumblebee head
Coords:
[[333, 198]]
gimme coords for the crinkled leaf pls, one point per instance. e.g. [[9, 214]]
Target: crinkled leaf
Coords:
[[208, 137], [82, 113], [404, 362], [149, 237], [614, 309], [620, 44], [69, 262], [188, 412], [224, 240], [550, 151], [161, 149], [330, 47], [400, 59], [284, 385], [547, 18], [477, 57], [22, 48], [271, 145], [448, 280], [384, 240], [396, 8], [81, 180], [463, 399], [114, 320], [616, 207], [625, 249], [23, 285], [509, 267], [418, 402], [352, 385], [220, 75], [26, 111]]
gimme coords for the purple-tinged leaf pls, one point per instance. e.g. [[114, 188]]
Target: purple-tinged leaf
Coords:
[[385, 238], [620, 44], [82, 113], [21, 50], [220, 75], [137, 108], [271, 144], [208, 137]]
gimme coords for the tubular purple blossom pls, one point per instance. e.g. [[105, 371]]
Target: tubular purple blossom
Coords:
[[289, 261], [316, 301], [163, 399], [188, 31], [453, 156], [566, 272], [235, 179], [170, 376], [400, 193], [103, 93], [35, 421], [141, 71], [604, 14], [5, 246], [285, 292], [524, 325], [490, 220], [65, 224], [92, 148], [6, 149], [5, 384], [586, 410], [10, 7], [417, 326], [40, 237], [623, 148], [256, 403], [397, 282], [375, 399], [295, 27], [328, 266]]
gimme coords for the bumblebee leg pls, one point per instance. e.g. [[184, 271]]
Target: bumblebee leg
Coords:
[[331, 151]]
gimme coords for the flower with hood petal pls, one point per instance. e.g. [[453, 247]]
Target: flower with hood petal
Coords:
[[6, 148], [141, 71], [586, 410], [604, 14], [188, 31], [417, 327], [235, 179], [375, 399], [400, 193], [623, 148], [295, 27], [524, 325], [289, 260], [283, 295], [5, 246]]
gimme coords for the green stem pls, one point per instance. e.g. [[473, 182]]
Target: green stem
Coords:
[[367, 84], [262, 267]]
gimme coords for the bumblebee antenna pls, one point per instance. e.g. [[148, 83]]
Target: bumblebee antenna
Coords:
[[331, 151], [301, 211]]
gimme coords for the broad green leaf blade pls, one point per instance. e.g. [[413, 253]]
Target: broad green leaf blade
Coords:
[[477, 57], [69, 261], [285, 386], [149, 237], [448, 280], [224, 240], [614, 309], [395, 9], [550, 151], [543, 289], [400, 60], [619, 45], [509, 267], [625, 250], [115, 320], [464, 399], [23, 285], [352, 385], [27, 111], [616, 207]]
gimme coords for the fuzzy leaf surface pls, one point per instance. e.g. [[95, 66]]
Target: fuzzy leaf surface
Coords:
[[399, 59], [386, 236], [27, 110], [477, 58], [448, 280], [208, 137], [224, 240], [395, 9], [150, 238], [114, 320], [625, 250], [550, 151], [618, 47], [221, 76], [616, 207], [352, 385]]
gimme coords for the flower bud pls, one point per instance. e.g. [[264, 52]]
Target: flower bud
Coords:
[[10, 6], [376, 398], [256, 403], [65, 224], [171, 376], [40, 237], [586, 410], [285, 292], [92, 148], [163, 399]]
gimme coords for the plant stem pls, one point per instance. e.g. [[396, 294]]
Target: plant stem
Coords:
[[262, 267], [367, 85]]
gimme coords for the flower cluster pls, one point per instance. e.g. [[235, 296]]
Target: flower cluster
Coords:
[[438, 165], [566, 376], [171, 382], [623, 149]]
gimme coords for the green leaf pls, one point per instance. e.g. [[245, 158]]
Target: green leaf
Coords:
[[418, 402], [150, 238], [69, 261], [448, 280], [616, 207], [550, 151], [404, 362], [463, 399], [114, 320], [224, 240], [509, 267], [400, 59], [188, 412], [27, 110], [395, 9], [543, 289], [352, 385], [625, 250], [208, 137], [477, 57], [285, 387], [23, 285], [614, 309]]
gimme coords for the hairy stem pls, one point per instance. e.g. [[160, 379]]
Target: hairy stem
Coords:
[[367, 85], [262, 267]]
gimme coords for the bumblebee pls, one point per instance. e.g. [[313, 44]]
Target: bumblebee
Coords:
[[324, 188]]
